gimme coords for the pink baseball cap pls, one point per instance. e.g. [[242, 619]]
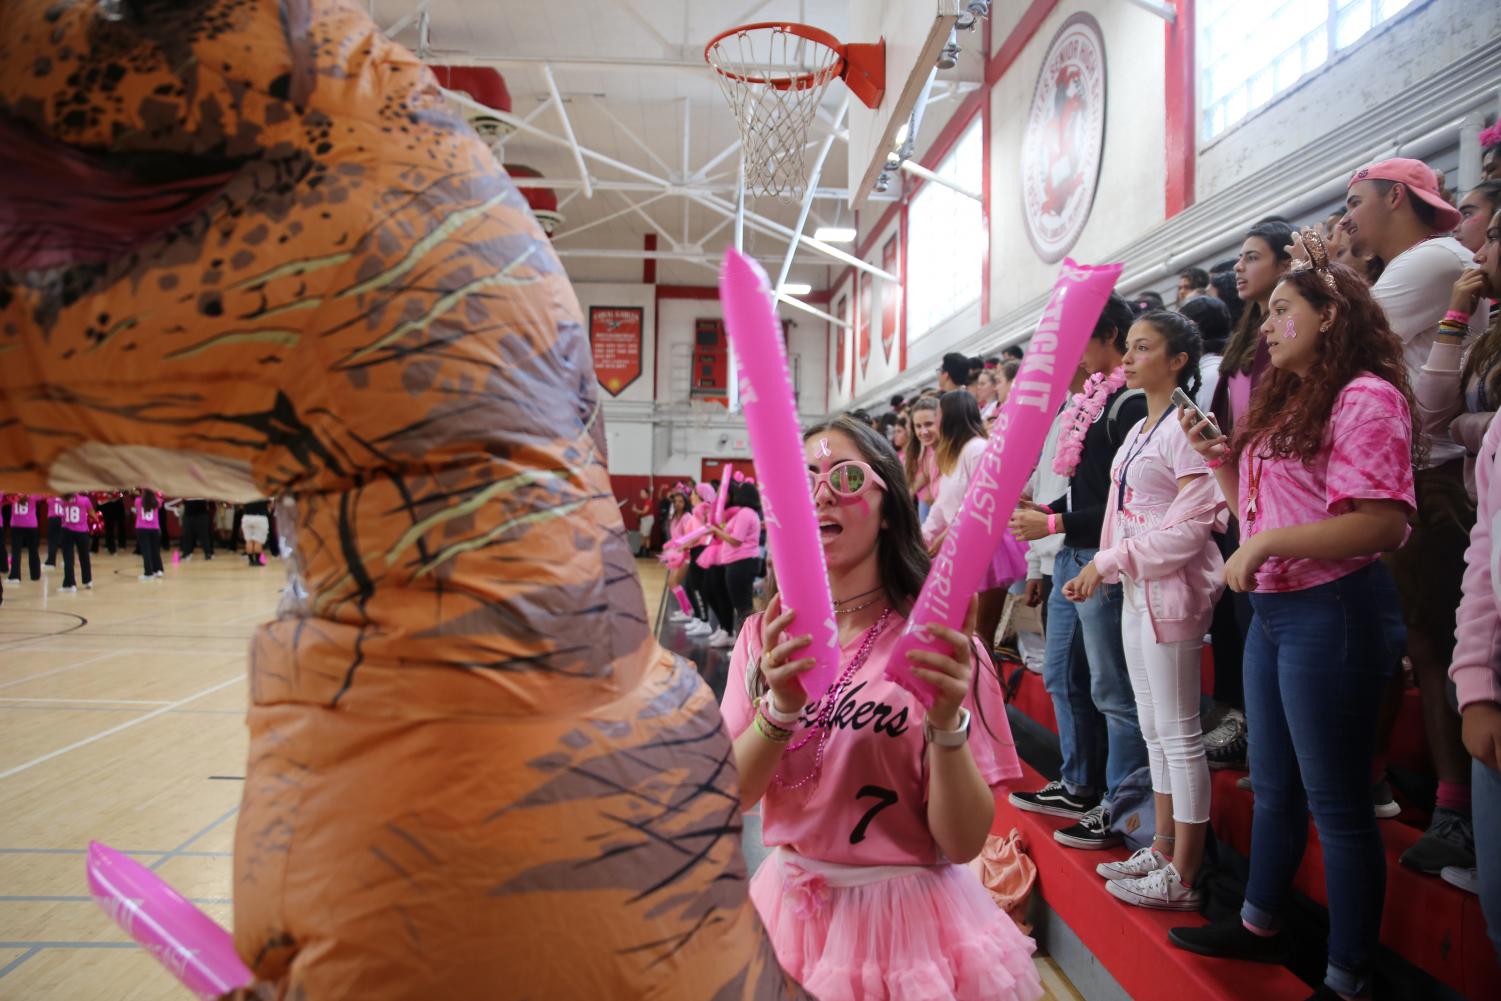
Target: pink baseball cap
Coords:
[[1421, 183]]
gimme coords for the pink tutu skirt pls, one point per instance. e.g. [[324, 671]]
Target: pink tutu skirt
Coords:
[[892, 933], [1007, 565]]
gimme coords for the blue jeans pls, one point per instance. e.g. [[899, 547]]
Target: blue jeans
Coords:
[[1485, 803], [1314, 665], [1097, 729]]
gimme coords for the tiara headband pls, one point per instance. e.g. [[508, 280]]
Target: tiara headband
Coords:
[[1318, 259]]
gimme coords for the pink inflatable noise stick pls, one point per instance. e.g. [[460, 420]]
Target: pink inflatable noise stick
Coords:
[[189, 943]]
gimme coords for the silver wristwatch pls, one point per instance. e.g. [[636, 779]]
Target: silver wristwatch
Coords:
[[947, 738]]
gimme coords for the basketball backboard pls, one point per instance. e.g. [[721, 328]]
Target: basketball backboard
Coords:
[[915, 32]]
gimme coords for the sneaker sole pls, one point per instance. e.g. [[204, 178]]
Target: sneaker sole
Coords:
[[1468, 886], [1050, 811], [1276, 958], [1091, 846], [1386, 811], [1121, 893]]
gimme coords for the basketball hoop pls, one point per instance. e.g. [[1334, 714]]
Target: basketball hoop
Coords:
[[774, 75]]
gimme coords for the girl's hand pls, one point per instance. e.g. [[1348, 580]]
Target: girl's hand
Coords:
[[1241, 567], [1083, 587], [950, 673], [1472, 284], [1296, 250], [937, 543], [1482, 733], [778, 666], [1209, 448]]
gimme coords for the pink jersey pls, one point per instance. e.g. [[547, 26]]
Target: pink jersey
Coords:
[[76, 513], [54, 507], [1367, 455], [1151, 462], [744, 524], [868, 804], [149, 520], [23, 511]]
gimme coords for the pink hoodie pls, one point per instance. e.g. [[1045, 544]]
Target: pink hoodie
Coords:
[[1476, 667], [1177, 564]]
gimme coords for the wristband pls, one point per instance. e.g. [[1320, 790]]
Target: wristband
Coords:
[[1458, 316], [1216, 462], [769, 730], [1052, 524], [769, 708]]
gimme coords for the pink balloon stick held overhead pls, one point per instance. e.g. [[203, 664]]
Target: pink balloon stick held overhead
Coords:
[[1015, 443], [189, 943], [723, 499], [781, 470]]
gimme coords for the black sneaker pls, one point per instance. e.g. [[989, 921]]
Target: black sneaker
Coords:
[[1225, 742], [1229, 939], [1054, 800], [1450, 840], [1092, 832]]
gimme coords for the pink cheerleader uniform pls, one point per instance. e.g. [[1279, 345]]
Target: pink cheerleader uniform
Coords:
[[858, 899]]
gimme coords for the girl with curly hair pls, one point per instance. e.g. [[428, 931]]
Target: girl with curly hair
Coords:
[[1320, 470]]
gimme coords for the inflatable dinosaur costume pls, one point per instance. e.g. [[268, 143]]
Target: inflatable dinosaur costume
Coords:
[[244, 251]]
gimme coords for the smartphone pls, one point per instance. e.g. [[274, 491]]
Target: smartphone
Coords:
[[1181, 399]]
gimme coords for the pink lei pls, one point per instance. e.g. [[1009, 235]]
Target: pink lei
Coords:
[[1084, 410]]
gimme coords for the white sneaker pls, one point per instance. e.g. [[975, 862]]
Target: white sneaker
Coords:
[[67, 590], [47, 568], [1467, 880], [697, 627], [89, 586], [145, 576], [1162, 890], [159, 575], [679, 616], [722, 640], [1146, 860]]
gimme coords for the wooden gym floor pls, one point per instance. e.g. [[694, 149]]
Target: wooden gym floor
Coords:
[[121, 710]]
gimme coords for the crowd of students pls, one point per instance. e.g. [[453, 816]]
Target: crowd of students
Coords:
[[1287, 462], [72, 527]]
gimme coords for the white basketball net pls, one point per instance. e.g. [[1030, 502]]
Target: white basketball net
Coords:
[[773, 119]]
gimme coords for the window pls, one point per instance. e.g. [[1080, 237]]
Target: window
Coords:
[[946, 240], [1248, 53]]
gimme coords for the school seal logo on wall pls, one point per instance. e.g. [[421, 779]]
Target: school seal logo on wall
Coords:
[[1065, 138]]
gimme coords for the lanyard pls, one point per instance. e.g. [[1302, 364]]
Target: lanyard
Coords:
[[1120, 497]]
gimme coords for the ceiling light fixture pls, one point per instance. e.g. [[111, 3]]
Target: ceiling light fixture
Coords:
[[835, 234], [796, 288]]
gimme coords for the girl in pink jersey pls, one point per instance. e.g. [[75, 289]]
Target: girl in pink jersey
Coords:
[[872, 805], [1320, 471], [54, 531], [149, 532], [24, 511], [739, 558], [76, 511]]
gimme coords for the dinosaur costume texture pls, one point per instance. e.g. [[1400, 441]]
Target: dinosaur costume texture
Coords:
[[246, 252]]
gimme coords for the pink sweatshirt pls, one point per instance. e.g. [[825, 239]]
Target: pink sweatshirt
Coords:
[[744, 524], [1476, 667], [1177, 563]]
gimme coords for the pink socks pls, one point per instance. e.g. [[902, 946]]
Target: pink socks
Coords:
[[1454, 796]]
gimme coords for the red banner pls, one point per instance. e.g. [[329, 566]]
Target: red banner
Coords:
[[891, 299], [615, 341], [863, 342]]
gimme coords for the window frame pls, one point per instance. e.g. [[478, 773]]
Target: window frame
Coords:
[[974, 126]]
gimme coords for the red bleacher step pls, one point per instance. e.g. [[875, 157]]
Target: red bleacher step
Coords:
[[1131, 942]]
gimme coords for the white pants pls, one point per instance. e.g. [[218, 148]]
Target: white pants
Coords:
[[1166, 679]]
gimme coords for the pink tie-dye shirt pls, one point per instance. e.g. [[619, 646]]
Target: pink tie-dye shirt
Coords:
[[1367, 455], [868, 804]]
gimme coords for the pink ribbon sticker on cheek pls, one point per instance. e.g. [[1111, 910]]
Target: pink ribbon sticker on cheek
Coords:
[[1288, 331]]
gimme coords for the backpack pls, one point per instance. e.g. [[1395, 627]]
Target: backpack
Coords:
[[1112, 427]]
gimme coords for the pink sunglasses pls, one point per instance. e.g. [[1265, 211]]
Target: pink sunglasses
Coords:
[[848, 479]]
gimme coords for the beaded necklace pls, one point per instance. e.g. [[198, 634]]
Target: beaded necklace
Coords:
[[823, 725]]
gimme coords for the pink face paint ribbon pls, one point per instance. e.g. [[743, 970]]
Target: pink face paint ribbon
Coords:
[[1288, 330], [1010, 456], [777, 447], [189, 943]]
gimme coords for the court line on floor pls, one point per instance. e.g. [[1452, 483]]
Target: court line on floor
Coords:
[[57, 670], [23, 957], [18, 769], [91, 702], [174, 853]]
